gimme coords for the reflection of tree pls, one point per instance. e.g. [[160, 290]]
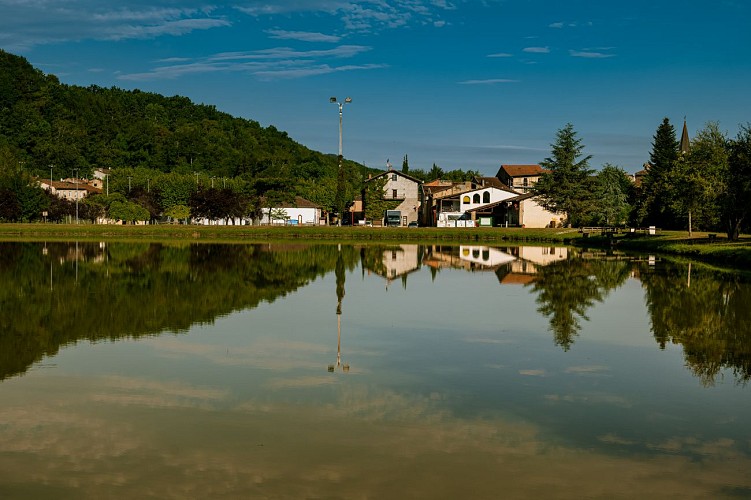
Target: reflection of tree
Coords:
[[137, 289], [566, 289], [711, 319]]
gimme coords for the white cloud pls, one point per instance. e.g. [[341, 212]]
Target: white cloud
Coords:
[[501, 54], [537, 50], [303, 36], [555, 25]]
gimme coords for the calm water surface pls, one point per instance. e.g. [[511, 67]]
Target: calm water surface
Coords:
[[303, 371]]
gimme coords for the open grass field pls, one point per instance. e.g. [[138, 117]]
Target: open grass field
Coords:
[[717, 250]]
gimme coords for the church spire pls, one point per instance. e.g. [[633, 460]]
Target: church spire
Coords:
[[685, 145]]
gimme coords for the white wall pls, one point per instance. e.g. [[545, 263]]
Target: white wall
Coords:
[[495, 196]]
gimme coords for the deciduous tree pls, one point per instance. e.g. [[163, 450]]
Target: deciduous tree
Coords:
[[737, 204]]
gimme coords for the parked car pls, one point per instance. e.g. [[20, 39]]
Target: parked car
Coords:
[[413, 224]]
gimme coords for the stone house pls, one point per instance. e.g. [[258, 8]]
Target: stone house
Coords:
[[403, 189]]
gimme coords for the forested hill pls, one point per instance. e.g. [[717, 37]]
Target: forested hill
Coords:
[[44, 122]]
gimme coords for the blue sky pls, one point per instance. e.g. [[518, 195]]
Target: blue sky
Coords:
[[463, 84]]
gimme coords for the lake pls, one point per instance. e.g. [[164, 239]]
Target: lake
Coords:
[[289, 370]]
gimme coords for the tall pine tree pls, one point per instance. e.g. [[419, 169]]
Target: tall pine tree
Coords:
[[657, 185], [566, 186]]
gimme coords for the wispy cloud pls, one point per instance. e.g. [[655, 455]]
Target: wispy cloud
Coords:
[[589, 54], [574, 24], [279, 74], [536, 50], [364, 16], [303, 36], [490, 81], [501, 54], [266, 64], [28, 24]]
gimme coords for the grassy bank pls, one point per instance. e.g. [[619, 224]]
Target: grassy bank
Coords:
[[265, 233], [717, 250], [720, 251]]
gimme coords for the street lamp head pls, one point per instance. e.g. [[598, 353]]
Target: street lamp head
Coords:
[[332, 99], [348, 100]]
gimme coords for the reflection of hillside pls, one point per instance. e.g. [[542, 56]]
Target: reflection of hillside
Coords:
[[118, 290]]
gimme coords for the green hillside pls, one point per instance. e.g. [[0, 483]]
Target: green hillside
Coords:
[[44, 122]]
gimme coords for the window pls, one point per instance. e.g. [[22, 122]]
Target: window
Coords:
[[486, 197], [393, 193], [465, 199], [525, 182], [476, 198], [393, 177]]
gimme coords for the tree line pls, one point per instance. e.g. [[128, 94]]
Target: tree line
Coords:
[[704, 184]]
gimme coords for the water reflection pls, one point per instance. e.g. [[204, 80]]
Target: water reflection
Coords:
[[340, 280], [184, 371], [60, 293]]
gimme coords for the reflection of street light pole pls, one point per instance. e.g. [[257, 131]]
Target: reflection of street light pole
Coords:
[[339, 271], [340, 176]]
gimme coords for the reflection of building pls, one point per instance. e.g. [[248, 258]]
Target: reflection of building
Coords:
[[512, 265], [485, 256], [398, 261], [468, 257], [528, 262]]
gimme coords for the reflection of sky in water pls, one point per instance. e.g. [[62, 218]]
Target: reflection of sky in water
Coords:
[[456, 389]]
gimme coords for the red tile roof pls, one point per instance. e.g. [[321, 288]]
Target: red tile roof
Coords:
[[522, 170]]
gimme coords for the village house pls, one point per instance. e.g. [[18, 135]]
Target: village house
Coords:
[[69, 189], [405, 190], [297, 213], [520, 178]]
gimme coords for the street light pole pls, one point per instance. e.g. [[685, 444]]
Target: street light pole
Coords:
[[75, 179], [340, 176]]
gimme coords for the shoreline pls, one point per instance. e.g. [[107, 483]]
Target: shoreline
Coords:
[[716, 250]]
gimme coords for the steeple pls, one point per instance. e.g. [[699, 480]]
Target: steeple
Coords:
[[685, 145]]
